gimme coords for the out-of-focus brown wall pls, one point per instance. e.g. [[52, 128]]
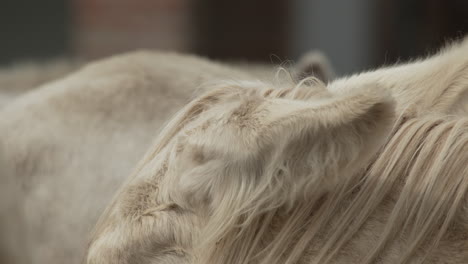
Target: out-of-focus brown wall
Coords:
[[105, 27], [34, 29], [406, 29], [356, 35], [221, 29], [250, 30]]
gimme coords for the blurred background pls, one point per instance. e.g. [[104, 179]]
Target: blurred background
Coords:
[[355, 34]]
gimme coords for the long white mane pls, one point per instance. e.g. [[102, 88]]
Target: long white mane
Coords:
[[335, 175], [418, 177]]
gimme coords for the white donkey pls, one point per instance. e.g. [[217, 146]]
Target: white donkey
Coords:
[[248, 173], [21, 77], [67, 146]]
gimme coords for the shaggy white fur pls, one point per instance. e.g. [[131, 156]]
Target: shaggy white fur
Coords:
[[70, 143], [305, 174], [248, 172], [19, 78]]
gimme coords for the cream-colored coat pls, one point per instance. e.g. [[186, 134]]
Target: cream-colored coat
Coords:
[[70, 143], [370, 169], [246, 154]]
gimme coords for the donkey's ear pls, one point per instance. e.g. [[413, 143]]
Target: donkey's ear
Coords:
[[347, 128], [314, 63], [368, 108]]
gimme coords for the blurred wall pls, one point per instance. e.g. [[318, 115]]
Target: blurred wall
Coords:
[[408, 29], [106, 27], [34, 29], [356, 35], [343, 29], [363, 34], [243, 30]]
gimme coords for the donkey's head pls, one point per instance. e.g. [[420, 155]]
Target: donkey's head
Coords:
[[231, 157]]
